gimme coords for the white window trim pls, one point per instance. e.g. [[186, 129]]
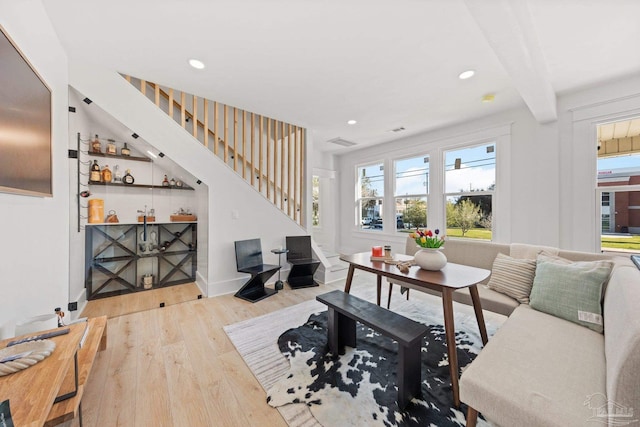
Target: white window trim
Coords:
[[406, 196]]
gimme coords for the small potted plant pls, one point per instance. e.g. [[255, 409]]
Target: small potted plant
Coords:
[[429, 256]]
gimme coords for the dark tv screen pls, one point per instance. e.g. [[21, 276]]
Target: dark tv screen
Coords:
[[25, 125]]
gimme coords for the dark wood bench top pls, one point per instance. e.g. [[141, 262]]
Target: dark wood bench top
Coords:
[[399, 328]]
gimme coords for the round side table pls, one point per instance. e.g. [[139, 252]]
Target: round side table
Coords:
[[279, 285]]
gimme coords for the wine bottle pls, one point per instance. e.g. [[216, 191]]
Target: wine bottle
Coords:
[[127, 178], [165, 181], [95, 145], [111, 147], [94, 174], [124, 151], [107, 176], [117, 177]]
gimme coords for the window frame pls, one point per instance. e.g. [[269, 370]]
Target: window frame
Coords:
[[380, 200], [397, 196]]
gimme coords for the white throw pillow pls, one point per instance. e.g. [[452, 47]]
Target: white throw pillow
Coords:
[[513, 277]]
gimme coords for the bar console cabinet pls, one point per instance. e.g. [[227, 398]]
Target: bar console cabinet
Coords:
[[126, 258]]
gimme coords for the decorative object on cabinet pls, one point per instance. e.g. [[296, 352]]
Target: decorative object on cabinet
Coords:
[[124, 151], [112, 217], [115, 265], [183, 215]]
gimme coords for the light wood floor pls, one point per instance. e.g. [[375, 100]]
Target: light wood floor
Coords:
[[175, 366], [141, 301]]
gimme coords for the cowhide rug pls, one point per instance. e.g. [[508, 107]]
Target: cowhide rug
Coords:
[[359, 387]]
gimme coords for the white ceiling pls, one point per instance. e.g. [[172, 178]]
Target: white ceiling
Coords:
[[386, 64]]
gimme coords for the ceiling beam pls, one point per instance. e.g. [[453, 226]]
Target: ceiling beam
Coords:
[[509, 30]]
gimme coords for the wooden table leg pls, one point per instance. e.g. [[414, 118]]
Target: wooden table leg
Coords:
[[477, 307], [379, 285], [449, 328], [347, 284]]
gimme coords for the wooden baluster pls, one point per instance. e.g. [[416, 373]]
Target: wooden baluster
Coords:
[[260, 155], [195, 116], [244, 143], [282, 168], [295, 173], [157, 94], [183, 115], [206, 122], [268, 159], [171, 103], [302, 138], [226, 133], [253, 148], [215, 128], [289, 159], [235, 139]]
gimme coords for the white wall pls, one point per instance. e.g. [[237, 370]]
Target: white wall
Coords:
[[235, 210], [34, 267]]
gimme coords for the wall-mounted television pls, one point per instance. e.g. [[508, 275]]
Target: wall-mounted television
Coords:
[[25, 124]]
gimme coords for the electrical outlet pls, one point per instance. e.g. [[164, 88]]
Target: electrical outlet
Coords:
[[73, 306], [199, 296], [161, 304]]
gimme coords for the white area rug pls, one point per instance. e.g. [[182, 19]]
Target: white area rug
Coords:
[[256, 339]]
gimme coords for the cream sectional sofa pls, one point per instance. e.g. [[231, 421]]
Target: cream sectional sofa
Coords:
[[542, 370]]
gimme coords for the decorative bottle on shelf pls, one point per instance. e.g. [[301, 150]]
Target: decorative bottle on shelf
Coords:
[[107, 176], [173, 182], [95, 145], [94, 173], [165, 181], [117, 176], [124, 151], [111, 147], [127, 178]]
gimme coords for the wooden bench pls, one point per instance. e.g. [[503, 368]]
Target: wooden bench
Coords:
[[346, 309]]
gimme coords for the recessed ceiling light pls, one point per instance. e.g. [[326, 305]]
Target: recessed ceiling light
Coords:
[[466, 74], [198, 65], [352, 122], [488, 98]]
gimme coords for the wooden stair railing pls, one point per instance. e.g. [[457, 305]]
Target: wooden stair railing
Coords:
[[277, 171]]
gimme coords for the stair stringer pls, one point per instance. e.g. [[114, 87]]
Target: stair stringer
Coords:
[[236, 210]]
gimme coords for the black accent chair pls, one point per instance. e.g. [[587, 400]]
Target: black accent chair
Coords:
[[303, 265], [249, 260]]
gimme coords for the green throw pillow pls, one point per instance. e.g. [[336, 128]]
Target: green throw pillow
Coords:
[[571, 291]]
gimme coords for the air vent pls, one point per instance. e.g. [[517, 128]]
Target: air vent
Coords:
[[342, 142], [399, 129]]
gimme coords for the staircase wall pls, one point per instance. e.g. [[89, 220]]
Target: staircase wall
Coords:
[[235, 210]]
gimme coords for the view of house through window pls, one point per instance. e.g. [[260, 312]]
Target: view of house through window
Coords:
[[411, 190], [618, 185], [470, 182], [370, 197], [315, 202]]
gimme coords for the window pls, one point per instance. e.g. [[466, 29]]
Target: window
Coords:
[[371, 195], [411, 190], [470, 181], [315, 203]]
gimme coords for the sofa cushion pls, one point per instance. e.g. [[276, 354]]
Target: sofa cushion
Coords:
[[513, 277], [571, 291], [526, 251], [537, 370], [491, 300]]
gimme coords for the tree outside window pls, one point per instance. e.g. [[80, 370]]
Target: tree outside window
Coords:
[[370, 200], [470, 181], [411, 191]]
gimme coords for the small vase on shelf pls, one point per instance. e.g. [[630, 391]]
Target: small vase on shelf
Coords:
[[430, 259]]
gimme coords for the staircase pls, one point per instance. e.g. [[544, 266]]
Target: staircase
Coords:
[[334, 269], [267, 153]]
